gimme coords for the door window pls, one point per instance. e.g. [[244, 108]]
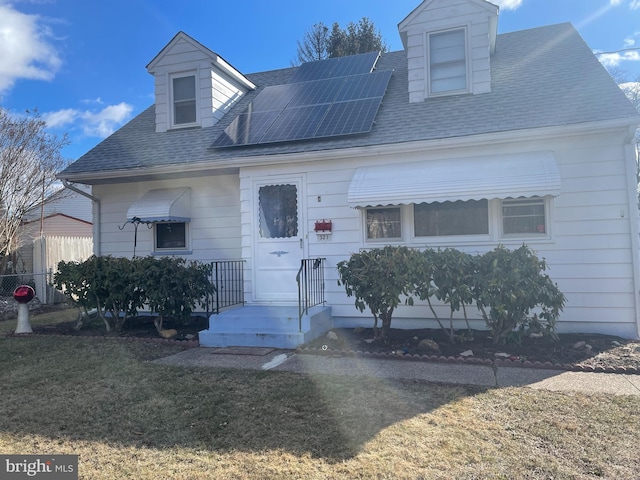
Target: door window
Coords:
[[278, 206]]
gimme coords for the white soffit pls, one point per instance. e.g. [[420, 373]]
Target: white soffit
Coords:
[[162, 205], [474, 178]]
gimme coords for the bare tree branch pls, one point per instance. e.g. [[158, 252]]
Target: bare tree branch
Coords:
[[29, 160]]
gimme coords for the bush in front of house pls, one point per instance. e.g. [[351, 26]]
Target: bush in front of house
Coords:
[[173, 287], [378, 279], [119, 287], [509, 287]]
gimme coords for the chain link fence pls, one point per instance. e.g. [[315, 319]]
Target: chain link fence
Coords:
[[41, 282]]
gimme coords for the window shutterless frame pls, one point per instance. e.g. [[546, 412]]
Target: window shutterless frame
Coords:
[[525, 217], [447, 62], [183, 99], [383, 223], [170, 236]]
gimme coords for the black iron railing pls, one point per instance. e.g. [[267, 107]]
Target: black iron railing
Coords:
[[228, 278], [310, 280]]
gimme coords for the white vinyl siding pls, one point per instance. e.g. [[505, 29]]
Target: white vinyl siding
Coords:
[[448, 62], [215, 90], [212, 234]]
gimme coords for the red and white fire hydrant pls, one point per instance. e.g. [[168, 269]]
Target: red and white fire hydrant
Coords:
[[23, 295]]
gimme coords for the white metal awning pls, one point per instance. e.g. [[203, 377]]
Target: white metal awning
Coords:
[[162, 205], [474, 178]]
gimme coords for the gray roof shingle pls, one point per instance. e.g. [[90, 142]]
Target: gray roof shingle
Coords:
[[541, 77]]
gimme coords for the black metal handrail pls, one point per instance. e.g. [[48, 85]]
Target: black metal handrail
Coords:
[[310, 280], [228, 278]]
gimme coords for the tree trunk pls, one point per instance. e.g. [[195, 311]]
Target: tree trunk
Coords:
[[385, 330]]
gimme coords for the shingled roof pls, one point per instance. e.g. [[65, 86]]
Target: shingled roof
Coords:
[[542, 77]]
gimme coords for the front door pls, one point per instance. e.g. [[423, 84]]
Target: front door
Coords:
[[279, 239]]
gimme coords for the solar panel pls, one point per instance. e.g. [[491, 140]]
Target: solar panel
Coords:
[[349, 118], [246, 129], [369, 85], [336, 67], [317, 92], [296, 124], [275, 97], [339, 96]]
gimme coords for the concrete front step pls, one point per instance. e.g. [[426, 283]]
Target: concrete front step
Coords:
[[265, 326]]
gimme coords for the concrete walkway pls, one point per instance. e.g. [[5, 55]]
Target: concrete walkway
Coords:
[[481, 375]]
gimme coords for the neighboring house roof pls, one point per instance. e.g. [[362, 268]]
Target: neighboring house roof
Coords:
[[542, 77], [64, 202], [54, 215]]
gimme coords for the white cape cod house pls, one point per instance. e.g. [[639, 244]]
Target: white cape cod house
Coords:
[[464, 139]]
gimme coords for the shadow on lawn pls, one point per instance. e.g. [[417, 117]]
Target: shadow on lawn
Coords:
[[78, 389]]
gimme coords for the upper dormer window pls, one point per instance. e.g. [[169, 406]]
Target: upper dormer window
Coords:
[[184, 100], [447, 62]]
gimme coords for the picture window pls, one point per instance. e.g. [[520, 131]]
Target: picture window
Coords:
[[171, 236]]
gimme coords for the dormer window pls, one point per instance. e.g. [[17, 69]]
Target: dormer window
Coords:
[[184, 100], [447, 62]]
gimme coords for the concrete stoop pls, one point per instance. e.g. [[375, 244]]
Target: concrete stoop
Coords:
[[265, 326]]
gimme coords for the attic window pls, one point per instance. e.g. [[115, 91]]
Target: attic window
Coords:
[[184, 100], [447, 62]]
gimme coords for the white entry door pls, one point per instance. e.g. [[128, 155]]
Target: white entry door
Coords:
[[279, 239]]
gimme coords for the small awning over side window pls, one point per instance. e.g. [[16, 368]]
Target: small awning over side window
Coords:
[[162, 205], [475, 178]]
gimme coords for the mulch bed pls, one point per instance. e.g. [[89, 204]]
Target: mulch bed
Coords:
[[578, 352]]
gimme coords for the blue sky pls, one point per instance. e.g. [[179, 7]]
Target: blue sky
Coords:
[[81, 63]]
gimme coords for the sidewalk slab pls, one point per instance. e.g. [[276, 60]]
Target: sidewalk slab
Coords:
[[563, 381], [456, 374], [447, 373]]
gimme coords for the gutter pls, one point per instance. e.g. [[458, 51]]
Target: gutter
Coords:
[[234, 163], [96, 213], [631, 157]]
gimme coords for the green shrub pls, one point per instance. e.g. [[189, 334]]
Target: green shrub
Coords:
[[448, 276], [377, 279], [510, 285], [510, 288], [174, 287], [119, 287]]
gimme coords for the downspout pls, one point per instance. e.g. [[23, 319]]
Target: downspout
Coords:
[[96, 214], [631, 155]]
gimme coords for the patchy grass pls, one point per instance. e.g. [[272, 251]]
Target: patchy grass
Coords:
[[127, 418], [54, 315]]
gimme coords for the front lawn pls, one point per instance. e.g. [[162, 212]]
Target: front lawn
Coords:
[[102, 399]]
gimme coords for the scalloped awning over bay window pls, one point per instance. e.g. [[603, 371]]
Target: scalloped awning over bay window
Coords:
[[162, 205], [474, 178]]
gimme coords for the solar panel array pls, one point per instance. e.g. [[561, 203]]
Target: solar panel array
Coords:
[[336, 67], [338, 96]]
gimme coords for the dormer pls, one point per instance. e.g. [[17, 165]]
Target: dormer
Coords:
[[449, 44], [194, 86]]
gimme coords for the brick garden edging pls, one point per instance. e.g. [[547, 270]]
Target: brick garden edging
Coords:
[[166, 341], [498, 362]]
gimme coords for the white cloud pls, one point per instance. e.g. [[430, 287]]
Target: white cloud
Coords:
[[60, 118], [614, 59], [92, 124], [509, 4], [104, 123], [635, 4], [96, 101], [25, 48], [615, 2]]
